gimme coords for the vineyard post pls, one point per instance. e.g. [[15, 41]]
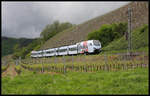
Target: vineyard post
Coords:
[[45, 61], [16, 61], [19, 59], [72, 61], [80, 57], [39, 61], [64, 65], [106, 63], [36, 60], [55, 57], [126, 65], [85, 62], [137, 65], [42, 64], [119, 64], [29, 61], [143, 58], [72, 55], [129, 31], [32, 60]]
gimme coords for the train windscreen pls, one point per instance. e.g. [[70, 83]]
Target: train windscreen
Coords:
[[96, 43]]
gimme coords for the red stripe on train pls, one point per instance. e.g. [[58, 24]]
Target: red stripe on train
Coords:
[[85, 46]]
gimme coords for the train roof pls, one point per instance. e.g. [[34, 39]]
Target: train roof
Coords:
[[72, 45]]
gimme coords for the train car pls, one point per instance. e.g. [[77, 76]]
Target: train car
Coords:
[[63, 50], [49, 52], [34, 54], [72, 50], [90, 46], [43, 53], [40, 53], [56, 52]]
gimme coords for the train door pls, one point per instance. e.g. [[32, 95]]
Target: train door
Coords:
[[90, 47], [85, 47], [79, 47]]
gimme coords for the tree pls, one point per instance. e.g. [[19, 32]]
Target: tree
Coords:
[[52, 29], [16, 48]]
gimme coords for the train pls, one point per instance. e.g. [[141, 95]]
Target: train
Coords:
[[83, 47]]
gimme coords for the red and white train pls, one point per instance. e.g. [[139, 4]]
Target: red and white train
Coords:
[[84, 47]]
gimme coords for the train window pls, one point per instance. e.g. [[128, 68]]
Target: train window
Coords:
[[96, 43], [33, 54], [73, 49], [62, 50], [40, 53], [49, 52]]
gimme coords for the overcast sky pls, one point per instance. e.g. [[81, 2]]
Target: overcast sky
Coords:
[[28, 19]]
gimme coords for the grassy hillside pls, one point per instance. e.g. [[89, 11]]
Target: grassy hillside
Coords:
[[103, 82], [8, 43], [79, 33], [139, 40]]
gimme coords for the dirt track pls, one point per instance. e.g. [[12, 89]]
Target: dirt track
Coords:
[[10, 70]]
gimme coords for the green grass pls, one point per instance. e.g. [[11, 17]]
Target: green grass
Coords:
[[121, 82]]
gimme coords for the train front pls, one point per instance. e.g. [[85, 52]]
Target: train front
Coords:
[[97, 46]]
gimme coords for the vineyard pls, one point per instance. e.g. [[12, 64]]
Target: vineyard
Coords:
[[81, 74], [83, 63]]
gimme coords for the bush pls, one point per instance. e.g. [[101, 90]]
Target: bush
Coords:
[[139, 40], [25, 51], [108, 33], [144, 28]]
